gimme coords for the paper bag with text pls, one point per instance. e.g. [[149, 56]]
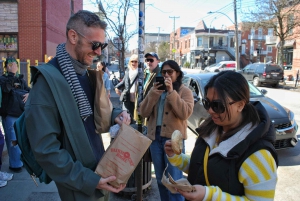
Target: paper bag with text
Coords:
[[123, 155]]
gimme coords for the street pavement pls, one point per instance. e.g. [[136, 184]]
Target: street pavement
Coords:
[[22, 187]]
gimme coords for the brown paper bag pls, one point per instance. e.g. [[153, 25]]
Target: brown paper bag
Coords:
[[123, 155]]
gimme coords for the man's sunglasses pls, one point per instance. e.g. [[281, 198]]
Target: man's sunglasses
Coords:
[[95, 45], [216, 105], [149, 60], [169, 71]]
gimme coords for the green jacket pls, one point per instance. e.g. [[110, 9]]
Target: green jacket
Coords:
[[70, 162]]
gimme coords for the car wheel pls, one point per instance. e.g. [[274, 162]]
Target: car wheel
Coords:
[[217, 70], [256, 82], [275, 85]]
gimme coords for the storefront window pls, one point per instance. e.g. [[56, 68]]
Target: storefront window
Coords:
[[8, 45]]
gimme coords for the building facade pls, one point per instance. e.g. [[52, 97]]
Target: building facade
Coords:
[[32, 29]]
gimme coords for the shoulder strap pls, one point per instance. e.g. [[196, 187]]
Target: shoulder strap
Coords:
[[66, 104], [132, 82]]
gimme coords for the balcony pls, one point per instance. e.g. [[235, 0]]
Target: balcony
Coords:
[[256, 37], [271, 40]]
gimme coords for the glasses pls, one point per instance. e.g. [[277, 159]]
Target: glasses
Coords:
[[95, 45], [149, 60], [216, 105], [169, 71], [134, 61]]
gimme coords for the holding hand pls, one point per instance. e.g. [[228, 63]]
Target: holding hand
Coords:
[[168, 148], [103, 184], [169, 85], [196, 195], [123, 117], [117, 91]]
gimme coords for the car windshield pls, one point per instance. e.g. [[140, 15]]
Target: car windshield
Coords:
[[254, 92]]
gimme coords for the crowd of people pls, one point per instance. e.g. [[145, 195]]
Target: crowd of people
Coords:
[[233, 157]]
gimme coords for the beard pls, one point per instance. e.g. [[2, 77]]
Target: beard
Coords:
[[79, 55]]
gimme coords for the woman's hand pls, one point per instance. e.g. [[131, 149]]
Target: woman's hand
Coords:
[[155, 87], [168, 148], [169, 84], [117, 91], [196, 195]]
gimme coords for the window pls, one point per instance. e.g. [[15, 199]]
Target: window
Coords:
[[231, 42], [220, 41], [260, 31], [252, 31], [270, 32], [211, 41], [199, 41], [185, 44], [8, 45], [269, 48]]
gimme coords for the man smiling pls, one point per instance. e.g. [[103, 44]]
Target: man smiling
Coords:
[[72, 165]]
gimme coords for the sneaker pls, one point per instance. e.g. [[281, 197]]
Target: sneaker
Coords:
[[16, 170], [4, 176], [3, 183]]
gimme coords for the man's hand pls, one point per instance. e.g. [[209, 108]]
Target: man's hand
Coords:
[[103, 184], [124, 117], [25, 97], [197, 195]]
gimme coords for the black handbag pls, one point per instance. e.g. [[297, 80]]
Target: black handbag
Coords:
[[125, 95], [16, 104]]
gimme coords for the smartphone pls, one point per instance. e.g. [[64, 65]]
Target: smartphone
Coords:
[[161, 80]]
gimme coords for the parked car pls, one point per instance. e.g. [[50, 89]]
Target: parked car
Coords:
[[282, 118], [223, 65], [263, 73]]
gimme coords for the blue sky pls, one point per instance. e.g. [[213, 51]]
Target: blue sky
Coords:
[[190, 12]]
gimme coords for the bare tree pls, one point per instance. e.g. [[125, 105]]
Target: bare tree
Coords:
[[151, 47], [115, 12], [283, 16]]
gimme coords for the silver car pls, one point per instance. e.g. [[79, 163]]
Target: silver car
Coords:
[[282, 118]]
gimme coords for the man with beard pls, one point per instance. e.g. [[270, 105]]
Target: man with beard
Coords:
[[72, 167]]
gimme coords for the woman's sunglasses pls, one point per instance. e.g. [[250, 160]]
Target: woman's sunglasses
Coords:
[[216, 105], [95, 45], [169, 71]]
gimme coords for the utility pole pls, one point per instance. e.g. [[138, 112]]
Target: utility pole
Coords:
[[157, 39], [237, 58], [174, 17]]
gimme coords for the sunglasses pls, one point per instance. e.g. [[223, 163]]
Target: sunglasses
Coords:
[[216, 105], [169, 71], [149, 60], [134, 61], [95, 45]]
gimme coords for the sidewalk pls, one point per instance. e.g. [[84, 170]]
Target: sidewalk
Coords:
[[22, 188]]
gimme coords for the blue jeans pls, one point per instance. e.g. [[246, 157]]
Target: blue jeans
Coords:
[[160, 162], [1, 147], [14, 151]]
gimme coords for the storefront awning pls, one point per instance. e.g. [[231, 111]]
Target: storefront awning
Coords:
[[289, 43]]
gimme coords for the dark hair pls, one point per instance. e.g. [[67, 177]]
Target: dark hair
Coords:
[[104, 66], [234, 85], [82, 19], [10, 59], [174, 65]]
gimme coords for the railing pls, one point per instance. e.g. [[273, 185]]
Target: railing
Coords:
[[256, 37], [271, 40]]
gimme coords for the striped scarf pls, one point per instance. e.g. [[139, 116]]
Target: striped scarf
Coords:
[[68, 71]]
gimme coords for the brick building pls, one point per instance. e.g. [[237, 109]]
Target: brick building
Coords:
[[32, 29]]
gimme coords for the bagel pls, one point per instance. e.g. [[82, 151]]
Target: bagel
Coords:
[[176, 141]]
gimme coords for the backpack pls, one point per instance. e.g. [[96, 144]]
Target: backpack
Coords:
[[27, 157]]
